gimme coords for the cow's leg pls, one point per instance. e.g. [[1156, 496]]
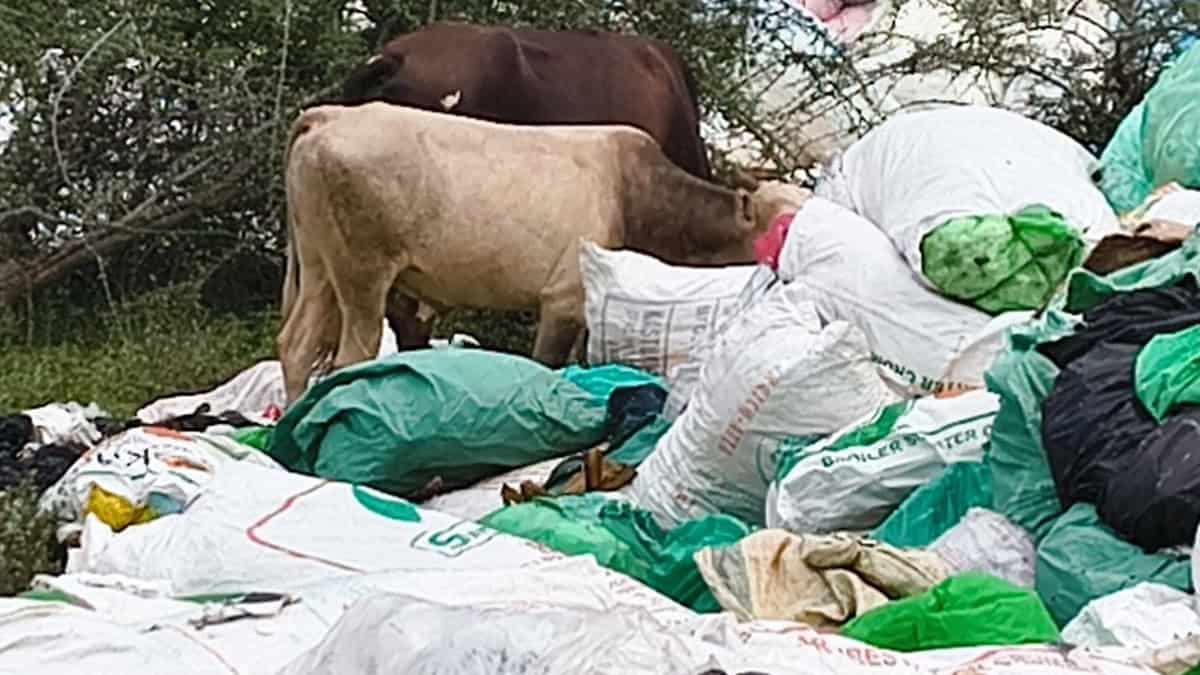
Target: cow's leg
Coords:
[[579, 349], [411, 332], [556, 334], [560, 321], [308, 333], [362, 294]]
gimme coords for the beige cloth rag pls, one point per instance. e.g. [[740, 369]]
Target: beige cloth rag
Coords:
[[820, 580]]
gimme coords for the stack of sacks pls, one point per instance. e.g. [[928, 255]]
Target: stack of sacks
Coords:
[[988, 207], [775, 377], [1091, 496]]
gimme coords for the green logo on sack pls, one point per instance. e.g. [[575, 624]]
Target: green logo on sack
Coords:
[[454, 540], [393, 508]]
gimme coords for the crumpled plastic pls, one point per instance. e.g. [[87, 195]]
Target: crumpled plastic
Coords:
[[1145, 616], [59, 423], [963, 611]]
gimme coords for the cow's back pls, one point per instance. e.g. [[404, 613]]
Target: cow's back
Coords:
[[530, 76], [481, 212]]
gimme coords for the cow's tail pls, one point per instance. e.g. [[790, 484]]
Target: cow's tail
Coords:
[[306, 122]]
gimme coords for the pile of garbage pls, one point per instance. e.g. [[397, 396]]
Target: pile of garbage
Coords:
[[948, 424]]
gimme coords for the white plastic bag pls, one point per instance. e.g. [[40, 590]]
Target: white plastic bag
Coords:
[[923, 343], [985, 541], [553, 617], [773, 375], [65, 423], [260, 529], [920, 169], [122, 625], [853, 480], [256, 393], [646, 314], [142, 474], [1145, 616]]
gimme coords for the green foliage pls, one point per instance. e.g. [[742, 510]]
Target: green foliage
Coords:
[[27, 543], [512, 333]]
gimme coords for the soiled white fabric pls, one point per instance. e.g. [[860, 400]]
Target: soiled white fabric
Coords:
[[819, 580]]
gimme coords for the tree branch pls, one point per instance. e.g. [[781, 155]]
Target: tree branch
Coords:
[[19, 277], [62, 165]]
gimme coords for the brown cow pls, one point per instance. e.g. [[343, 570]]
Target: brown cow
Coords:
[[459, 212], [529, 76]]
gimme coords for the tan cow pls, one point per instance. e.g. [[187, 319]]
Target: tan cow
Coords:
[[459, 212]]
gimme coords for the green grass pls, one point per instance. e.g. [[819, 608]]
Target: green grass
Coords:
[[27, 544], [152, 352], [161, 345]]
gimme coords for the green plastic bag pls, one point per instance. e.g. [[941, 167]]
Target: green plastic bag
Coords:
[[256, 437], [935, 507], [602, 381], [1022, 485], [1002, 263], [625, 539], [638, 447], [1081, 560], [1167, 372], [1159, 140], [964, 611], [462, 414]]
